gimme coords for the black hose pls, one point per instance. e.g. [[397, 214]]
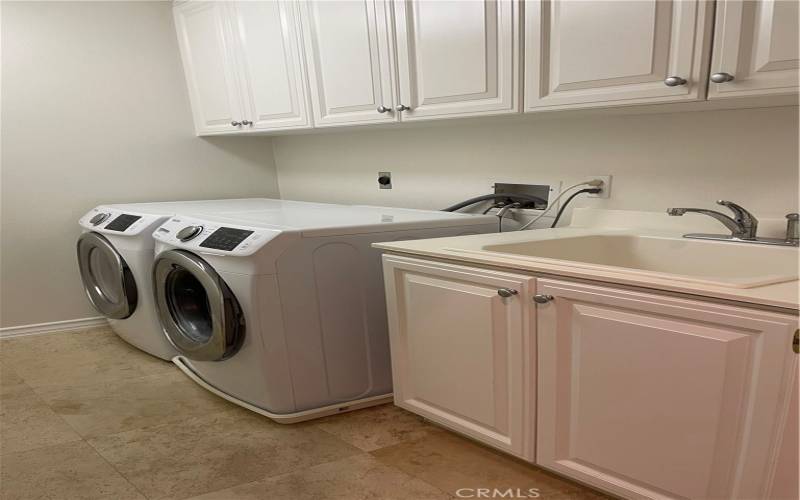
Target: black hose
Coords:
[[495, 196], [573, 195]]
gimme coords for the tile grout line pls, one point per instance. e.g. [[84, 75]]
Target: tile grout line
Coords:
[[123, 476]]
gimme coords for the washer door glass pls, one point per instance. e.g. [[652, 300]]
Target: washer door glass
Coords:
[[107, 279], [200, 315]]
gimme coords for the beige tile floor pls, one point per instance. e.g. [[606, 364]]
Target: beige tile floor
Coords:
[[85, 416]]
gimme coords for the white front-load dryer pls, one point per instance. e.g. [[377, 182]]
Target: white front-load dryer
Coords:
[[115, 257], [284, 313]]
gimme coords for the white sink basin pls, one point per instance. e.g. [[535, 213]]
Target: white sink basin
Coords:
[[736, 265]]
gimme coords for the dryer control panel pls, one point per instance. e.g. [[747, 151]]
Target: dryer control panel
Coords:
[[208, 237], [113, 221]]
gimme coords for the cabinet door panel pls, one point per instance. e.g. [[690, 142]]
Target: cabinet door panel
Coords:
[[658, 397], [457, 58], [757, 43], [271, 64], [203, 36], [348, 54], [458, 348], [604, 53]]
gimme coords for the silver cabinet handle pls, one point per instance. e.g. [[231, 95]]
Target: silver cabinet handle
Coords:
[[507, 292], [235, 123], [721, 77], [383, 109], [540, 298], [246, 122], [674, 81], [402, 107]]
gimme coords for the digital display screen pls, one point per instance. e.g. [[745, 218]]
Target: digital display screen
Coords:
[[122, 222], [225, 238]]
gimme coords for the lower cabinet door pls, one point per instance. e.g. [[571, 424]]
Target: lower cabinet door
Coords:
[[460, 339], [650, 396]]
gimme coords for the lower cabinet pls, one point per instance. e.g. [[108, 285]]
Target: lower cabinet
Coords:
[[460, 340], [640, 394], [650, 396]]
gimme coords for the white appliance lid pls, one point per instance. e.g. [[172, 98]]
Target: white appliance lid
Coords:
[[235, 205], [344, 219]]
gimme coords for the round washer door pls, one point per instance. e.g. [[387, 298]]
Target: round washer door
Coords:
[[107, 279], [200, 315]]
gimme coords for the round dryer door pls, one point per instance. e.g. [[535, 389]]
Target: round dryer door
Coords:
[[198, 311], [107, 279]]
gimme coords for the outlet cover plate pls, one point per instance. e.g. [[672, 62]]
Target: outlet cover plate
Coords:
[[606, 192]]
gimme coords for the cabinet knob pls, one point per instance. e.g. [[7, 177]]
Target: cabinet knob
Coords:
[[674, 81], [235, 123], [383, 109], [246, 122], [507, 292], [402, 107], [540, 298], [721, 77]]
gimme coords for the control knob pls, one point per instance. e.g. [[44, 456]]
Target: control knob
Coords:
[[99, 218], [189, 232]]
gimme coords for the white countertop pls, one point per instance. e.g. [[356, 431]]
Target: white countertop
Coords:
[[594, 222]]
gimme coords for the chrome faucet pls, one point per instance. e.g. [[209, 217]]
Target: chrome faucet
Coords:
[[743, 225]]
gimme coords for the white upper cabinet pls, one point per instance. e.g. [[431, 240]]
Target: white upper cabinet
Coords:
[[347, 47], [457, 58], [756, 43], [607, 53], [204, 38], [271, 65]]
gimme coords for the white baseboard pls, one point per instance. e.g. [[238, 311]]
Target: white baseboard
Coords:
[[55, 326]]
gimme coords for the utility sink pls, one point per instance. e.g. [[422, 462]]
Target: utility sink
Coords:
[[734, 265]]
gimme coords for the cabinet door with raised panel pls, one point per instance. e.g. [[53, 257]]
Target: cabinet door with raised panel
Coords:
[[270, 64], [755, 43], [460, 343], [348, 50], [588, 53], [204, 36], [457, 58], [651, 396]]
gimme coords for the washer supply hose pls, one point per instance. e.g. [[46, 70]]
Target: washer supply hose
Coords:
[[564, 206], [494, 197]]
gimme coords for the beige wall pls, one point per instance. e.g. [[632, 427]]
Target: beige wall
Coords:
[[657, 160], [94, 110]]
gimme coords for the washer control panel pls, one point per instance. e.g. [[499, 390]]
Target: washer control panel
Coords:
[[226, 238], [208, 237], [112, 221]]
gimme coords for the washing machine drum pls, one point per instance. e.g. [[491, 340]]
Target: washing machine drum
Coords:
[[107, 279], [200, 315]]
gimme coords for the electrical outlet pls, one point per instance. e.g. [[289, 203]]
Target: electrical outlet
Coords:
[[385, 180], [606, 192]]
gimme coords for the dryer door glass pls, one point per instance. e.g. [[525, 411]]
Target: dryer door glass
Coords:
[[107, 279], [200, 315]]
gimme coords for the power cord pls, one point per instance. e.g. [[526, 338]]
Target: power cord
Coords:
[[564, 206], [597, 183]]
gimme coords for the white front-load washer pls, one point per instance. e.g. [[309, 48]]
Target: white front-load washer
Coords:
[[115, 257], [284, 313]]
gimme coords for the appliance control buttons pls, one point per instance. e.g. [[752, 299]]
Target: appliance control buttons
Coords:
[[189, 232], [99, 218]]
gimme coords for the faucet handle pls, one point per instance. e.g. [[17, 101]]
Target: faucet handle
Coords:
[[792, 228], [740, 214]]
